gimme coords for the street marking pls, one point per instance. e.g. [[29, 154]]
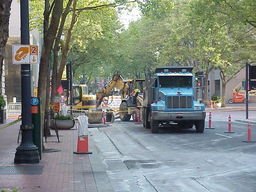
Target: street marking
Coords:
[[243, 122], [223, 135]]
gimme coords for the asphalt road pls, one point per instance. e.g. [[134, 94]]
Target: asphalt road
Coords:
[[137, 160]]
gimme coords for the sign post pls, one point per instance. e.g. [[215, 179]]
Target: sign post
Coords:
[[27, 152], [35, 110]]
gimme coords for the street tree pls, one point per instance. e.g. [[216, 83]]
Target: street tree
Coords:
[[224, 36], [59, 18], [5, 8]]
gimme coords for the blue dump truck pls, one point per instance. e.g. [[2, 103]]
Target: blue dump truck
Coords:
[[169, 100]]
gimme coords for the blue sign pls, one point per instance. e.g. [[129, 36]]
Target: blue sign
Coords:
[[34, 101]]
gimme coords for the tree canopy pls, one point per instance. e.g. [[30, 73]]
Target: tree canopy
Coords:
[[204, 33]]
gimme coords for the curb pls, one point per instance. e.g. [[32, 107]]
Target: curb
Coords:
[[246, 121], [230, 109]]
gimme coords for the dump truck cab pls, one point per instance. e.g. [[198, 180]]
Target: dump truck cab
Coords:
[[169, 98]]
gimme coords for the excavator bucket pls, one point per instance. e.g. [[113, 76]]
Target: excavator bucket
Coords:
[[95, 117]]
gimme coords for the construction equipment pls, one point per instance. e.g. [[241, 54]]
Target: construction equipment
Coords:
[[238, 94], [237, 98], [169, 99], [116, 82], [130, 103], [81, 98], [85, 103]]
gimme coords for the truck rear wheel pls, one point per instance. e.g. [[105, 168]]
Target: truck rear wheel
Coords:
[[146, 122], [199, 126], [185, 125], [124, 116], [154, 126]]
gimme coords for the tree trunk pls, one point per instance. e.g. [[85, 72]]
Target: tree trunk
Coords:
[[223, 93], [5, 8], [223, 87], [206, 87], [65, 48], [55, 80], [49, 37]]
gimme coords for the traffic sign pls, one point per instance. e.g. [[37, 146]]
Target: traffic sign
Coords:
[[56, 107], [34, 101], [20, 54], [24, 54], [252, 77], [34, 109], [33, 54]]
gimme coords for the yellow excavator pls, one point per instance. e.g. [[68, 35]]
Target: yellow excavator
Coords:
[[81, 98], [131, 101], [116, 82]]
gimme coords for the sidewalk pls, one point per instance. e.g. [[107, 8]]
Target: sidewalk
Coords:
[[234, 107], [237, 112], [59, 170]]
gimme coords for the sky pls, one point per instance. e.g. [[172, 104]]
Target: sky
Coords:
[[128, 16]]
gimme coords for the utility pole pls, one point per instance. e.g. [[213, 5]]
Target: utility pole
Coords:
[[246, 89], [27, 152]]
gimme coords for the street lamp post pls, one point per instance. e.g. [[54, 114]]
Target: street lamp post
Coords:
[[27, 152]]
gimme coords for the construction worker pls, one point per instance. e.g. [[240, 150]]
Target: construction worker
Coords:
[[135, 93]]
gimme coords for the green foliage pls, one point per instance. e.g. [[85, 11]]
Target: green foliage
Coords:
[[202, 33], [2, 102], [36, 14], [157, 9], [63, 117], [216, 99], [94, 43]]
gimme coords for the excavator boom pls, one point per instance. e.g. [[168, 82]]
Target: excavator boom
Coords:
[[116, 82]]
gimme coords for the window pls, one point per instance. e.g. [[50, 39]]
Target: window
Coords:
[[175, 81]]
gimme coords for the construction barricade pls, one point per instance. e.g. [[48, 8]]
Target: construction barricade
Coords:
[[82, 139]]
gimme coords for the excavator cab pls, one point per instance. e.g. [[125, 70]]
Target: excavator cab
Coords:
[[81, 98], [77, 95]]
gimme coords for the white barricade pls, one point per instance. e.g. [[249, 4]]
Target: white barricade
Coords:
[[82, 125]]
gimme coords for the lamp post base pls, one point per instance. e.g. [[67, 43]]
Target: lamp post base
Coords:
[[26, 156]]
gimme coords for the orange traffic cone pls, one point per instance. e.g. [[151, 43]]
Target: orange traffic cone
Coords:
[[249, 134], [104, 118], [229, 125], [210, 121], [83, 145]]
